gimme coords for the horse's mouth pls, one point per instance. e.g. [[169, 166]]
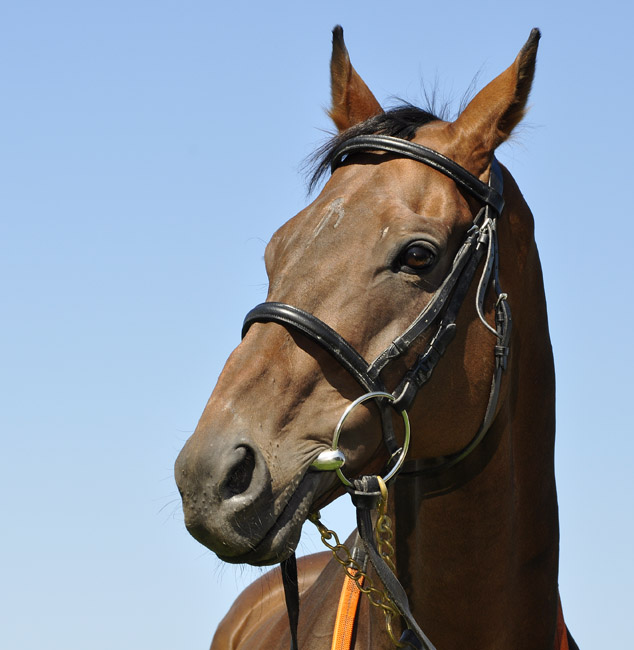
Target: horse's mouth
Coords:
[[281, 539]]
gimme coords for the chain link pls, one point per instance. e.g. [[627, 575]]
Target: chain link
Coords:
[[342, 554], [383, 528]]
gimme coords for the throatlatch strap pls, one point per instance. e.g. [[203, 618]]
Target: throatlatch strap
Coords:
[[291, 594]]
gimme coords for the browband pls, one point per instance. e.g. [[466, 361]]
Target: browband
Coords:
[[405, 148]]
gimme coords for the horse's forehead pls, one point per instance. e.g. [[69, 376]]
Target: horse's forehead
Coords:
[[373, 194], [362, 200]]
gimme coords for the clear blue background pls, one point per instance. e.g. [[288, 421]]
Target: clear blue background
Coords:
[[148, 152]]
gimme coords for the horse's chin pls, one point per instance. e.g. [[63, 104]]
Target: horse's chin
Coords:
[[281, 540]]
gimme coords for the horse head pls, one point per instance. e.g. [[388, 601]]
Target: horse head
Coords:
[[365, 258]]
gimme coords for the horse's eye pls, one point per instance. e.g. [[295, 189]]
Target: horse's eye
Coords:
[[418, 257]]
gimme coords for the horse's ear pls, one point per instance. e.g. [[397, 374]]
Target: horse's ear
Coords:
[[496, 110], [352, 100]]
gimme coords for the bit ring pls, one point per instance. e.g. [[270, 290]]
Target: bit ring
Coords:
[[321, 461]]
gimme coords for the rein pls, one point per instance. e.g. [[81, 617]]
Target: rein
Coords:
[[442, 312]]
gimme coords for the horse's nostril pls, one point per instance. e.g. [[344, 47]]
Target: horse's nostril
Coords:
[[240, 475]]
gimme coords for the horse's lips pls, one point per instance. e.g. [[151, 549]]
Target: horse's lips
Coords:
[[282, 538]]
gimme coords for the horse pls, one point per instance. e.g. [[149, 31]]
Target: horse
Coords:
[[413, 254]]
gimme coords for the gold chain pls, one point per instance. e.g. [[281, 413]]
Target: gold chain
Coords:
[[384, 534], [343, 556]]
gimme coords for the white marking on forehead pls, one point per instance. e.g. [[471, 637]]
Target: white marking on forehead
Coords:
[[384, 231], [335, 208]]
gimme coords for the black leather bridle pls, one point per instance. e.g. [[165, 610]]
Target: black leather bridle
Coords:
[[442, 309], [442, 312]]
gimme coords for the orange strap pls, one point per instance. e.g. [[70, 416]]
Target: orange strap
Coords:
[[346, 613], [561, 638]]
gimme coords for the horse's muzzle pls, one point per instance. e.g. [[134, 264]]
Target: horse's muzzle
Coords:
[[227, 494]]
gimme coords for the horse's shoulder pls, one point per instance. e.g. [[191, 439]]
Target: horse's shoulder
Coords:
[[259, 612]]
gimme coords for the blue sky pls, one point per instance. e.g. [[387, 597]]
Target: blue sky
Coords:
[[148, 152]]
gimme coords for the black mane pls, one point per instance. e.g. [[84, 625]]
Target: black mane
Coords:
[[400, 122]]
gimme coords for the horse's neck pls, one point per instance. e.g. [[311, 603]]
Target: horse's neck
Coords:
[[479, 561]]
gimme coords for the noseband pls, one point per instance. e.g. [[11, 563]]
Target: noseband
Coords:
[[440, 312]]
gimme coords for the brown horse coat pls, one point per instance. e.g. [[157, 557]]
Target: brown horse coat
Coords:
[[477, 548]]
